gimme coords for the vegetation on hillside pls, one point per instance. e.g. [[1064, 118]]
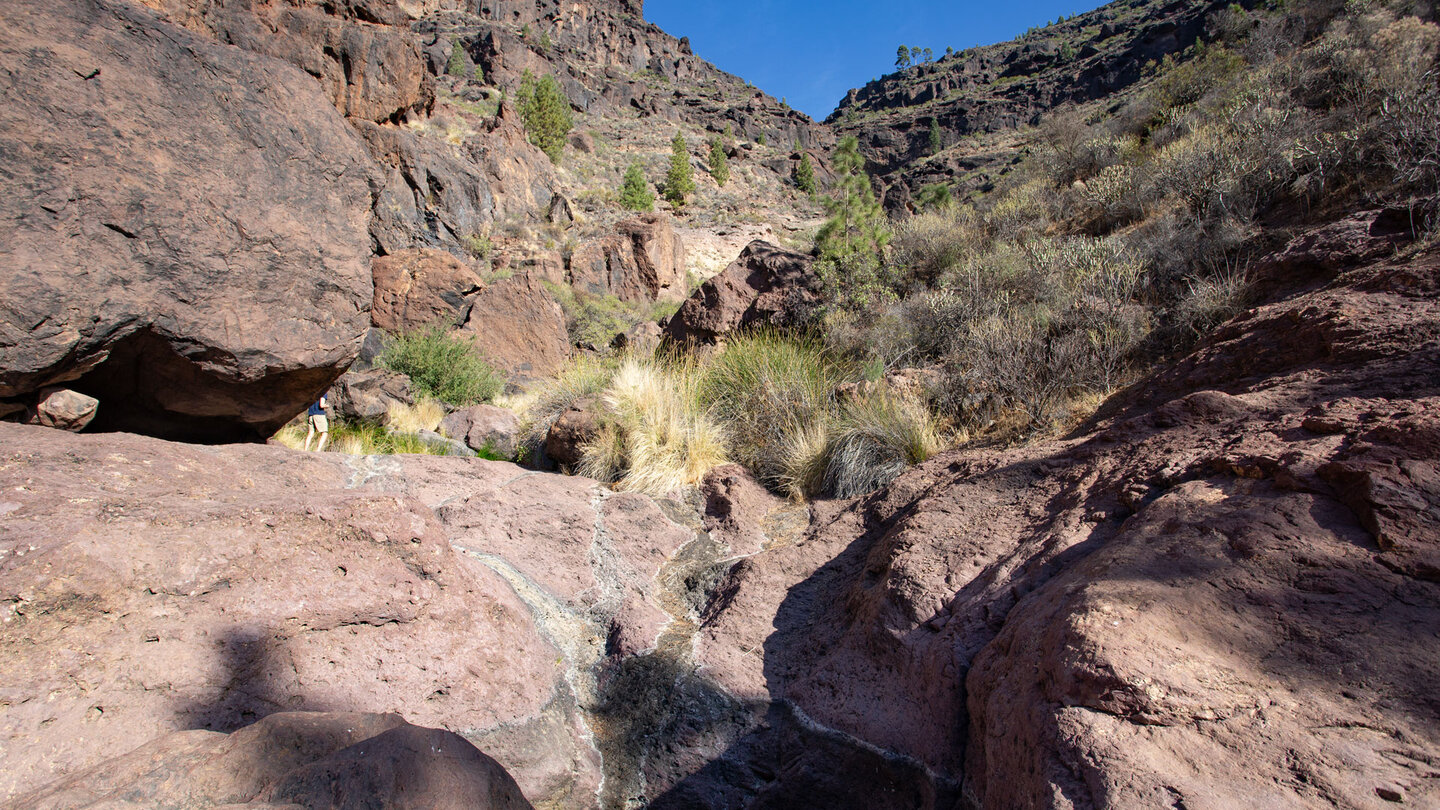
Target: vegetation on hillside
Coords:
[[545, 112], [767, 400], [441, 366], [679, 182]]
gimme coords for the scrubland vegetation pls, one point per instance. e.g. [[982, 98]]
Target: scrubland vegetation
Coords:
[[1123, 237]]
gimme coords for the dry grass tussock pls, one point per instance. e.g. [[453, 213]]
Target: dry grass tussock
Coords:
[[766, 400], [423, 415], [656, 437]]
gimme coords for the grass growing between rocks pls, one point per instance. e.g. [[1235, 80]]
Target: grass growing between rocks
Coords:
[[766, 400], [398, 435]]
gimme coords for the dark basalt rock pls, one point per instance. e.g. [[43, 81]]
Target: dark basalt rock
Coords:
[[184, 227]]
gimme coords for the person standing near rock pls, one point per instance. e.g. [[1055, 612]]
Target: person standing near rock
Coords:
[[319, 423]]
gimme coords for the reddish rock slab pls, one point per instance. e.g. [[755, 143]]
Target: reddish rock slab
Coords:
[[421, 287], [150, 587], [644, 260], [484, 426], [184, 229], [765, 285], [519, 327], [305, 759], [362, 53]]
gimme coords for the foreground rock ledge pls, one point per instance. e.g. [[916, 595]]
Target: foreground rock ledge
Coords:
[[305, 759], [183, 233]]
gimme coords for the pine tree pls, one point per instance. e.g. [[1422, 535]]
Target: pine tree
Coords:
[[902, 58], [719, 169], [456, 65], [635, 192], [856, 230], [545, 112], [678, 180], [805, 174], [929, 55], [935, 140]]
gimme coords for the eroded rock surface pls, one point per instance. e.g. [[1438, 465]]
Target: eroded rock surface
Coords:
[[295, 759], [184, 229], [1212, 597], [518, 327], [420, 288], [764, 286]]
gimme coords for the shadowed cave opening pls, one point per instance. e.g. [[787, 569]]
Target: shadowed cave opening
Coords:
[[146, 386]]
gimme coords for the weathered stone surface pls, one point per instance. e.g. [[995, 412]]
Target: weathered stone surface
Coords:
[[368, 395], [643, 338], [362, 54], [437, 192], [183, 233], [421, 287], [151, 587], [64, 409], [484, 426], [765, 285], [306, 759], [519, 327], [565, 442], [643, 261], [1208, 592]]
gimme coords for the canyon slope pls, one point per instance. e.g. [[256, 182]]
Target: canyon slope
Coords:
[[1221, 590]]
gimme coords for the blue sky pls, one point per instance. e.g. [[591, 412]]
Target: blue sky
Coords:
[[810, 52]]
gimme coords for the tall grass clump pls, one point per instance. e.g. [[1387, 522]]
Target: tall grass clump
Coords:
[[866, 445], [655, 436], [441, 366], [425, 414], [586, 377], [367, 439], [766, 388]]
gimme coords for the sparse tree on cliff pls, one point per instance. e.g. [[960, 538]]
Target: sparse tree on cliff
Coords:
[[635, 192], [853, 240], [678, 180], [805, 174], [902, 57], [719, 169], [935, 139], [456, 65], [546, 113], [929, 55], [915, 52]]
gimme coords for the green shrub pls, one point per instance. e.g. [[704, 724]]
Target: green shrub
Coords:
[[456, 65], [805, 174], [719, 168], [765, 387], [635, 192], [441, 366], [876, 438], [678, 180]]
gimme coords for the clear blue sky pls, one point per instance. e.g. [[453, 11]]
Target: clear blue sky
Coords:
[[810, 51]]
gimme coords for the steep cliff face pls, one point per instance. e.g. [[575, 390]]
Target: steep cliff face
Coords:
[[1009, 85]]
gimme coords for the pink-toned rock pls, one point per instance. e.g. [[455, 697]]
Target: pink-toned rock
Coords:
[[363, 54], [484, 426], [309, 759], [369, 395], [420, 287], [765, 285], [64, 409], [219, 207], [519, 327], [643, 261], [151, 587]]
